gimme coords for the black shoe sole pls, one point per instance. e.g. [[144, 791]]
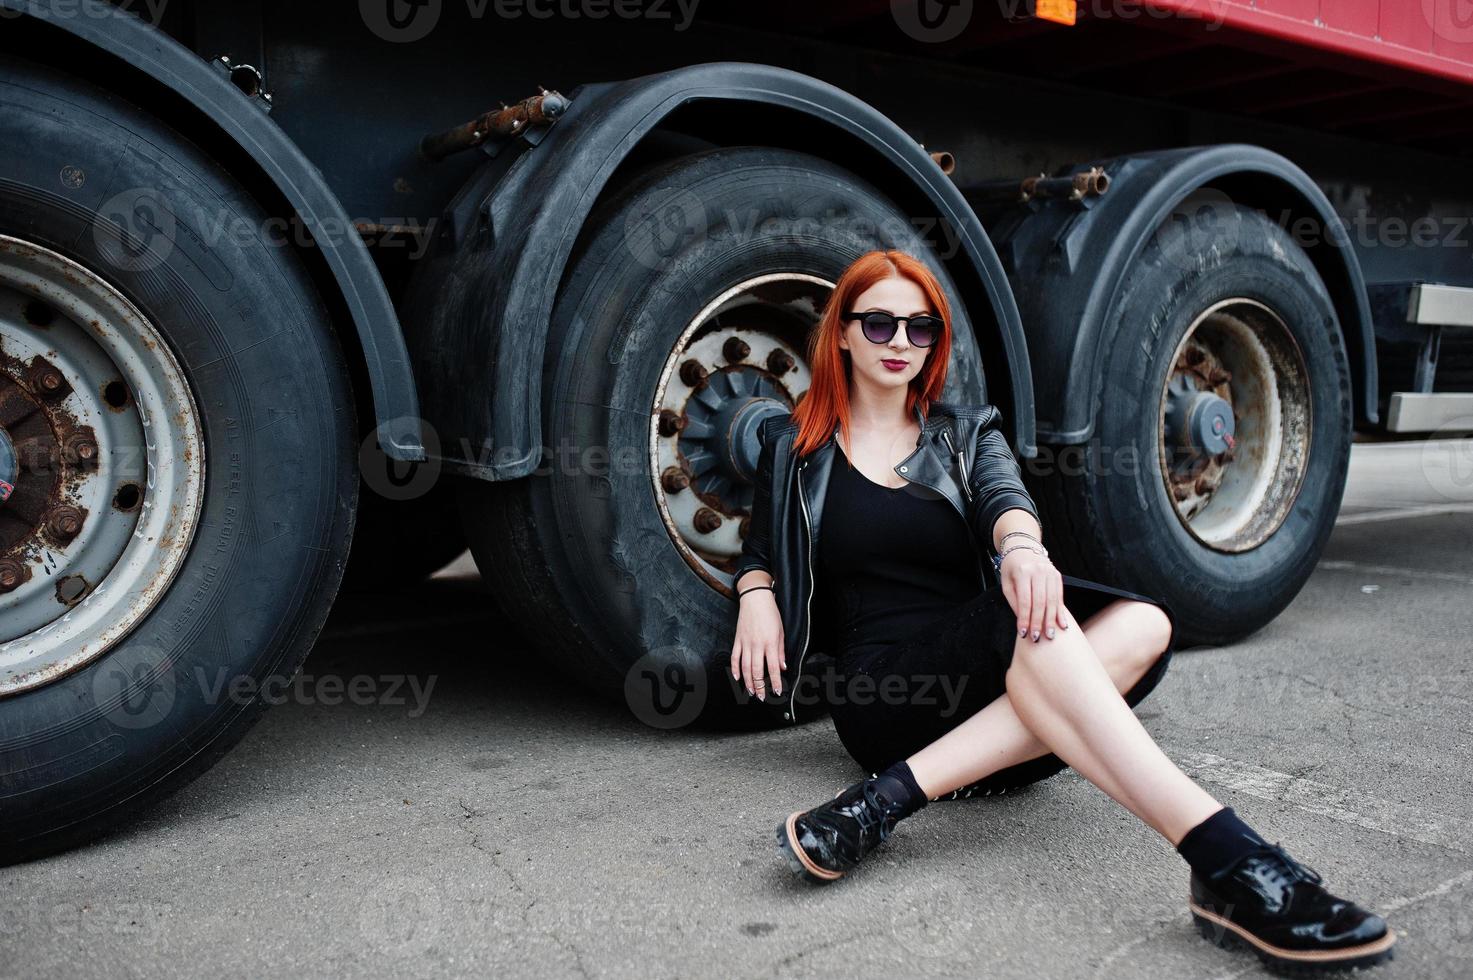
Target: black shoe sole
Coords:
[[1221, 932], [799, 862]]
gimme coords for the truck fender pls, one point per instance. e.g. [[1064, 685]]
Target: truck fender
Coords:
[[479, 353], [1067, 262], [138, 46]]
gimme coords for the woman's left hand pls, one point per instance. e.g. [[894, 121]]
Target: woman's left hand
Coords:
[[1035, 590]]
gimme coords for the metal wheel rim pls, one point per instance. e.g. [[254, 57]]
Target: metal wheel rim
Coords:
[[1242, 496], [769, 313], [86, 593]]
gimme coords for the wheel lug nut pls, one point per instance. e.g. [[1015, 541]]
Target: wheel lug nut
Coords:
[[780, 362], [692, 372], [744, 526], [12, 574], [707, 520], [670, 422], [674, 479], [735, 349], [81, 447], [47, 381], [64, 522], [1180, 491], [1204, 486]]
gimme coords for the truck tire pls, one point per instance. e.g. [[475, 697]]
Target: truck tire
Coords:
[[191, 405], [623, 576], [1225, 333]]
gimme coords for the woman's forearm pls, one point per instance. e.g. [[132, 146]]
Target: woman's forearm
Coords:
[[1013, 519], [753, 576]]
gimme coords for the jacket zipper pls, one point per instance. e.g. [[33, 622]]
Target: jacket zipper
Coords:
[[961, 461], [808, 603], [961, 468]]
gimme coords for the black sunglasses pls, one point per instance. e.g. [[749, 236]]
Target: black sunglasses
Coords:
[[879, 327]]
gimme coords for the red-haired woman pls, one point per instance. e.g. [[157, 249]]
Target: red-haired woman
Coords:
[[950, 685]]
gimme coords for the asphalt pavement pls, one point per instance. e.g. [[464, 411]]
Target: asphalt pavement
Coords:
[[430, 802]]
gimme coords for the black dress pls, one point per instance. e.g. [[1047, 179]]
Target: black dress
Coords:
[[919, 649]]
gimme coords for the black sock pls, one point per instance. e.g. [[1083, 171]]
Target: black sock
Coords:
[[1218, 843], [898, 784]]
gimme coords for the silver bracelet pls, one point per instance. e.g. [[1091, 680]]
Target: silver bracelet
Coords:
[[1025, 534], [997, 562]]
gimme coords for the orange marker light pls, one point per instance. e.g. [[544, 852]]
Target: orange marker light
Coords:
[[1058, 11]]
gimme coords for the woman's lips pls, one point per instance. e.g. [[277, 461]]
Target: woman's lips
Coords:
[[896, 365]]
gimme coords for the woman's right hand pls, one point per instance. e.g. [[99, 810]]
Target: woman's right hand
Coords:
[[759, 646]]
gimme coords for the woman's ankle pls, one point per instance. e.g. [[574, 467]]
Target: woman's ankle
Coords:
[[898, 785]]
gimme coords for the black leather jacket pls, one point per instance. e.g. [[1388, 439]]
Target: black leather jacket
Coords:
[[787, 507]]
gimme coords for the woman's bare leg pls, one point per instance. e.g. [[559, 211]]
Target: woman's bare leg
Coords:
[[1064, 697], [1127, 636]]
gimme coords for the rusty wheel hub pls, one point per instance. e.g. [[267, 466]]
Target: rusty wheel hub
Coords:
[[101, 447], [737, 363], [1235, 424]]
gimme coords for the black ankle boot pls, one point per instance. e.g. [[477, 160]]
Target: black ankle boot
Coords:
[[1275, 906], [823, 843]]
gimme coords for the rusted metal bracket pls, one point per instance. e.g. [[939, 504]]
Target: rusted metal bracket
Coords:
[[542, 109], [1072, 187]]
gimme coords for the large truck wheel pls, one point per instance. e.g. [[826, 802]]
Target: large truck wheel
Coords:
[[681, 324], [1223, 434], [182, 433]]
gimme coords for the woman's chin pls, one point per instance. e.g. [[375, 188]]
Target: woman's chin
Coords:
[[887, 380]]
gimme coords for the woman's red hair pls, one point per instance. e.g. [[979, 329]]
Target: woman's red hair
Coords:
[[826, 402]]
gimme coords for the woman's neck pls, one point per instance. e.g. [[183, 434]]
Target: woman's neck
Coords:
[[877, 411]]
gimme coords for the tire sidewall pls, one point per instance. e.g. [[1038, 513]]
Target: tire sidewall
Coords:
[[1164, 295], [269, 384]]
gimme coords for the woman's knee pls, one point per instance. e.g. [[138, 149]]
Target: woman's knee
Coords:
[[1157, 627], [1038, 659], [1138, 633], [1151, 628]]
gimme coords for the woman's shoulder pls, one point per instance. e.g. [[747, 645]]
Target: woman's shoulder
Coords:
[[773, 426], [965, 410]]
